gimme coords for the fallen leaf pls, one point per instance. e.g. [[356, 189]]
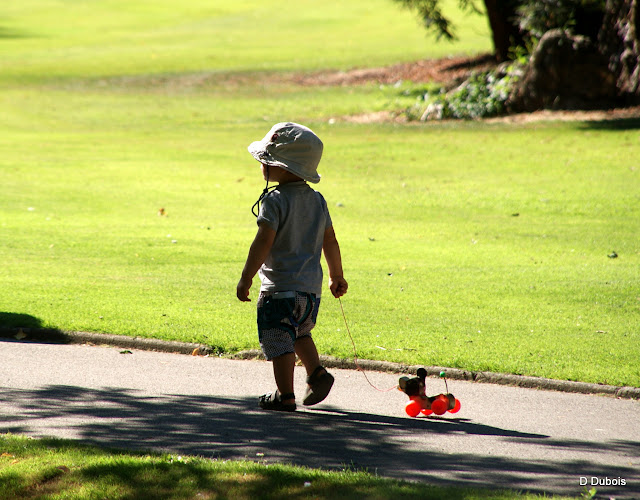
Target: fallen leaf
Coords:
[[20, 335], [126, 352]]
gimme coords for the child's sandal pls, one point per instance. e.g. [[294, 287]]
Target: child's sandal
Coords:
[[273, 401], [319, 386]]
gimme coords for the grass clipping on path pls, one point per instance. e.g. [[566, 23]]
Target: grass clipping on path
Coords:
[[57, 469]]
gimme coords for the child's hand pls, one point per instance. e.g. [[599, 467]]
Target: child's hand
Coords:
[[242, 291], [338, 286]]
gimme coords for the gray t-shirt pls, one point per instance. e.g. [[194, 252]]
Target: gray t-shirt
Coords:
[[299, 216]]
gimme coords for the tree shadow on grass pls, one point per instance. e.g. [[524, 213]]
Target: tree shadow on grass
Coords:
[[151, 477], [161, 480], [25, 327], [20, 326], [8, 33], [613, 124], [228, 428], [18, 320]]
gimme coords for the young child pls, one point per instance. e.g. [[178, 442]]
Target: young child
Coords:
[[294, 228]]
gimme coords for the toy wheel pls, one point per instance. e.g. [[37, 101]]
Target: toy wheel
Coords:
[[413, 408], [439, 407], [456, 407], [426, 411]]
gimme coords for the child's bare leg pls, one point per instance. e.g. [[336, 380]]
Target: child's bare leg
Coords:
[[306, 350], [283, 373], [319, 381]]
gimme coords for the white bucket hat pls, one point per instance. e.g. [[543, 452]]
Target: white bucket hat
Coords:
[[292, 147]]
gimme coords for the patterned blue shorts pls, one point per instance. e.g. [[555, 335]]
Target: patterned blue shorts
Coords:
[[284, 317]]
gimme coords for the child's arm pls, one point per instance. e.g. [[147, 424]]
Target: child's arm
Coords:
[[258, 252], [337, 284]]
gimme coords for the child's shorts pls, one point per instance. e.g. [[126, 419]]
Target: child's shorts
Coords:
[[284, 317]]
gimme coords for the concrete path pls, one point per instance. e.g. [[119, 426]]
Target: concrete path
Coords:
[[524, 439]]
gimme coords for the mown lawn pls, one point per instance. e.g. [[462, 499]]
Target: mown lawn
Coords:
[[56, 469], [472, 245]]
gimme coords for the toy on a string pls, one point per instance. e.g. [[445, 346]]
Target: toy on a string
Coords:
[[414, 387], [419, 402]]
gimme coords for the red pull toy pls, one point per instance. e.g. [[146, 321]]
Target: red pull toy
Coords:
[[419, 402]]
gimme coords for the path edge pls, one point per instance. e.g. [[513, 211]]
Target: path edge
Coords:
[[149, 344]]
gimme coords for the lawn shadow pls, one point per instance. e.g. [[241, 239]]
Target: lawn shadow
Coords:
[[18, 320], [24, 327], [8, 33], [171, 476], [613, 124], [233, 428]]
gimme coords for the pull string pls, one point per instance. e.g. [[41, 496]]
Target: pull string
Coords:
[[355, 354]]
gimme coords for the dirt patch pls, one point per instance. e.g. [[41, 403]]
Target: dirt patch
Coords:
[[449, 71], [560, 115]]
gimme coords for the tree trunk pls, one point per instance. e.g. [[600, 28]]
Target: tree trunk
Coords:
[[504, 28], [565, 72], [618, 39]]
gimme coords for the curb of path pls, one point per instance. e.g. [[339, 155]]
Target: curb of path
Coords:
[[147, 344], [473, 376]]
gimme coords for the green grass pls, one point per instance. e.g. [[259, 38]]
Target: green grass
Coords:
[[96, 135], [45, 40], [56, 469]]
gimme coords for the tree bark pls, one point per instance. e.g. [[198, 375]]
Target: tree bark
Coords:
[[504, 29], [618, 40], [565, 72]]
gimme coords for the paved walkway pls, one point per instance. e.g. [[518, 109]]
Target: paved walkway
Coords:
[[525, 439]]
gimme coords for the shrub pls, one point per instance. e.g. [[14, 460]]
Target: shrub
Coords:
[[482, 95]]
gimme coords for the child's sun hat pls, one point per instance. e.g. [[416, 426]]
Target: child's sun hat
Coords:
[[292, 147]]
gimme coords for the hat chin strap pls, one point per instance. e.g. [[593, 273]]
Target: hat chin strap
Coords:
[[255, 209]]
